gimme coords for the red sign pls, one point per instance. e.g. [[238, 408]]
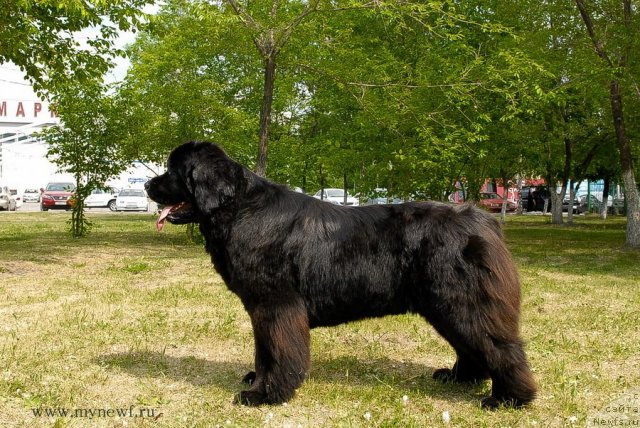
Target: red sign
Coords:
[[24, 111]]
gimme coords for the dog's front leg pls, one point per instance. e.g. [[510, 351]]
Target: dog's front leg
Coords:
[[281, 334]]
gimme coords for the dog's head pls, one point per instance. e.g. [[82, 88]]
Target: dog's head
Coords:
[[200, 178]]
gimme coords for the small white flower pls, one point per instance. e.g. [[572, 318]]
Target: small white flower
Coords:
[[446, 418], [573, 419], [405, 399], [367, 416]]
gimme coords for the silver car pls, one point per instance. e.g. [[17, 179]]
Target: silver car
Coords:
[[31, 195], [336, 196]]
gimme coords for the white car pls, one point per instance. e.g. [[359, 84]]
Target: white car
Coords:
[[17, 198], [102, 198], [132, 200], [7, 200], [31, 195], [336, 196]]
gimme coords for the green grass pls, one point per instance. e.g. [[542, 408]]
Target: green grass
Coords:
[[133, 319]]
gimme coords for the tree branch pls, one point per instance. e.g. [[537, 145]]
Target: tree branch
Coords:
[[588, 22], [246, 19], [582, 168], [624, 57], [288, 30], [251, 24], [406, 86]]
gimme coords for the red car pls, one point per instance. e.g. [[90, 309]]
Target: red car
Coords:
[[57, 196], [493, 202]]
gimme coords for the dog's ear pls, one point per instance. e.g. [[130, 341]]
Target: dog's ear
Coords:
[[213, 179]]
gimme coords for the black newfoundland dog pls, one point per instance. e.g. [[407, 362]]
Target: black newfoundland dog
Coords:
[[298, 263]]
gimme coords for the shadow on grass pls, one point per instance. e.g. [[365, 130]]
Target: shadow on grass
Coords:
[[399, 376]]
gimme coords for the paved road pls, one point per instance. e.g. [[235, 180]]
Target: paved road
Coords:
[[34, 206]]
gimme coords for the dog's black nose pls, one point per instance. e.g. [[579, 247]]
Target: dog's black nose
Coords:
[[146, 185]]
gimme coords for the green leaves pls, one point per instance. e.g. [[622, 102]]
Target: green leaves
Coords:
[[40, 37], [416, 85]]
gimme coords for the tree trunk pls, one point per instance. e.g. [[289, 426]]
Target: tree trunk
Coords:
[[321, 184], [556, 199], [604, 207], [631, 195], [344, 182], [572, 198], [520, 201], [304, 178], [556, 205], [505, 196], [265, 113]]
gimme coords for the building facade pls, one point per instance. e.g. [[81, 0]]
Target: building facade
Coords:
[[23, 156]]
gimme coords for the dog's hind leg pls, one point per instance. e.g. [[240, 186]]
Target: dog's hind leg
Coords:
[[467, 368], [282, 360], [485, 348]]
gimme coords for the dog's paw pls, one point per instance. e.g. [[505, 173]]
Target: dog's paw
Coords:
[[250, 398], [249, 378], [444, 375], [490, 403]]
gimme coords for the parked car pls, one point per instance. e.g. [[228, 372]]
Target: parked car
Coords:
[[491, 201], [102, 198], [614, 204], [7, 200], [18, 199], [380, 197], [31, 195], [383, 201], [57, 195], [579, 205], [336, 196], [618, 206], [132, 200]]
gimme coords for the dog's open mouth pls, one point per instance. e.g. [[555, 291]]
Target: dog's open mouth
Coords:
[[181, 213]]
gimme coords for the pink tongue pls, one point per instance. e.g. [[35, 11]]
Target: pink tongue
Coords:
[[163, 215]]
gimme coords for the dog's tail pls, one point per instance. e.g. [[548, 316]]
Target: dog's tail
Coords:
[[486, 250], [498, 293]]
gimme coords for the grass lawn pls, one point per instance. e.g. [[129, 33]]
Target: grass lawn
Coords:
[[135, 322]]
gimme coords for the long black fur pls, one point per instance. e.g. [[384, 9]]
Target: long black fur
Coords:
[[297, 263]]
